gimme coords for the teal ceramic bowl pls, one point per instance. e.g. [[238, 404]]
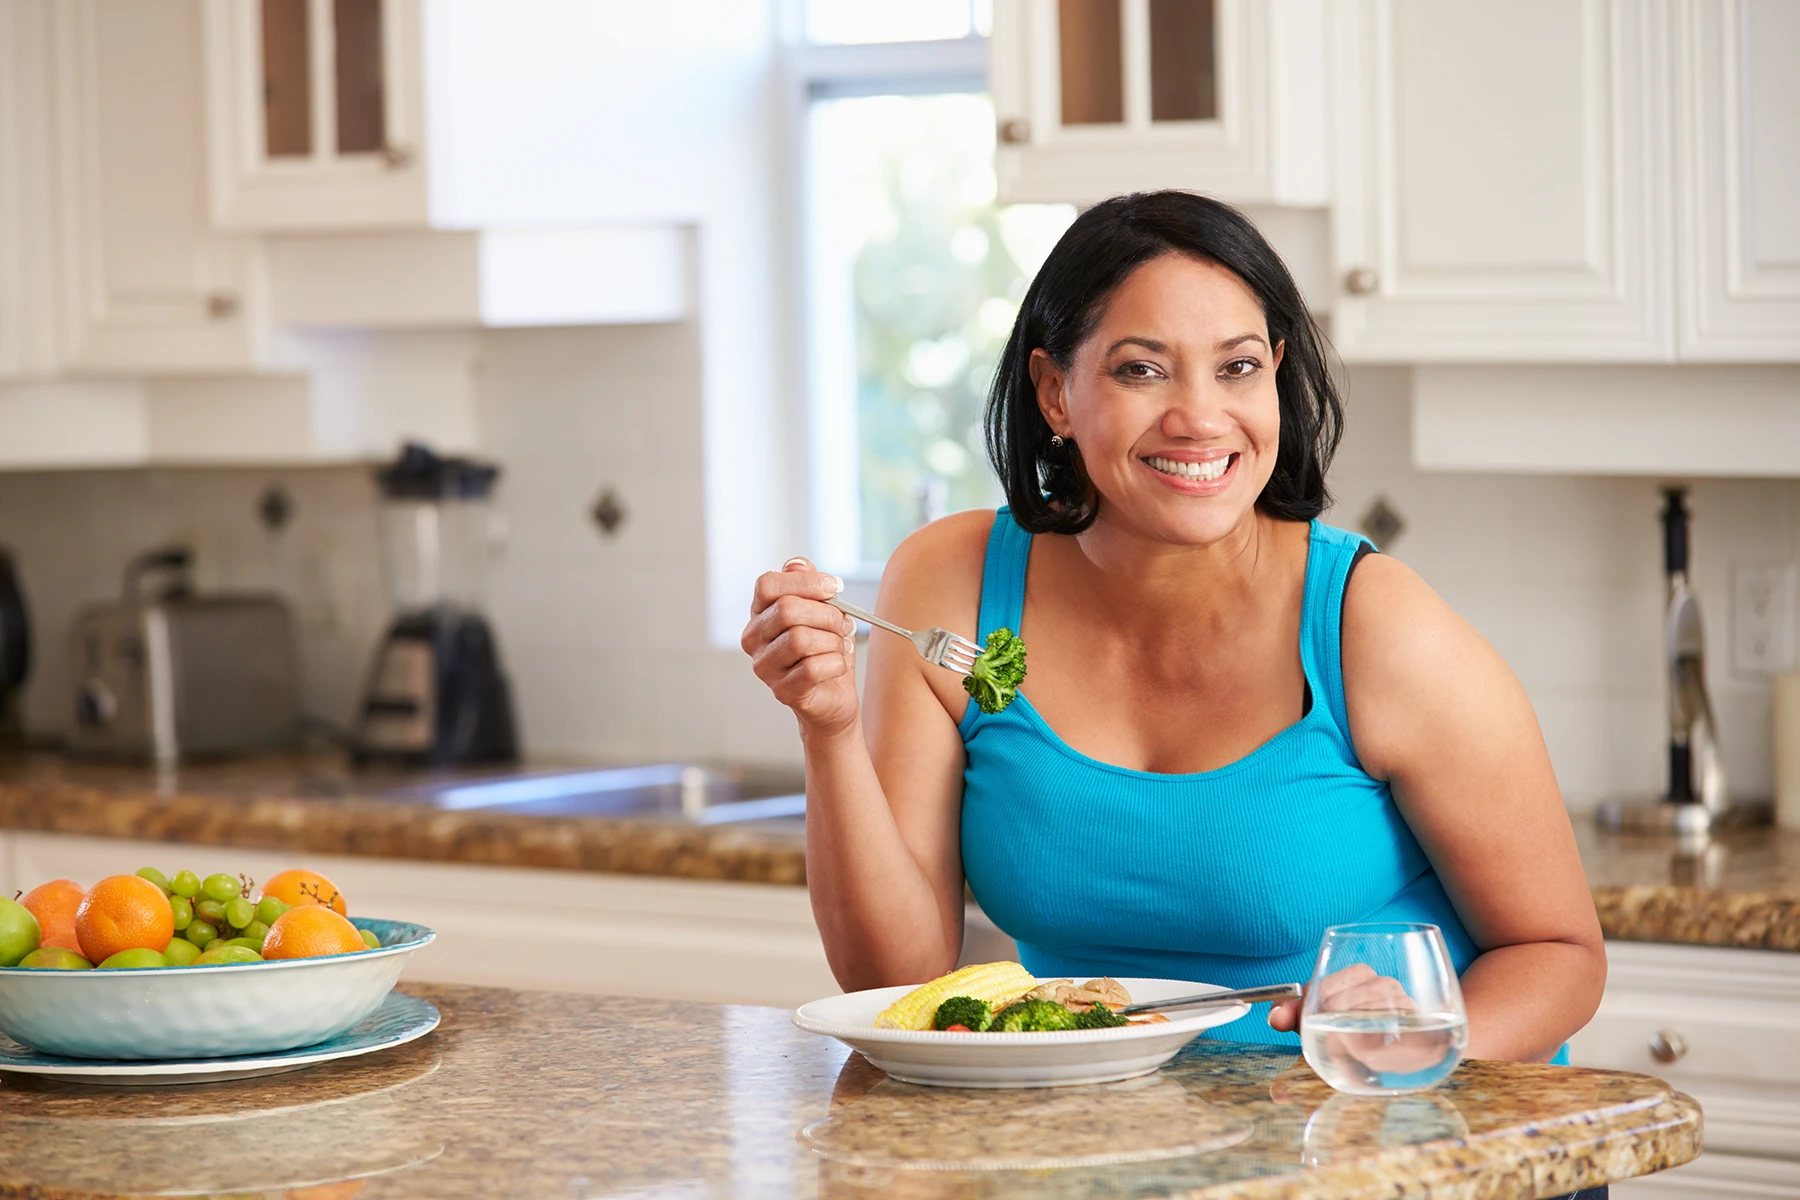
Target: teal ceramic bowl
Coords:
[[205, 1012]]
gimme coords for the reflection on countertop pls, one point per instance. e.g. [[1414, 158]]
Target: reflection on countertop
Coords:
[[541, 1094]]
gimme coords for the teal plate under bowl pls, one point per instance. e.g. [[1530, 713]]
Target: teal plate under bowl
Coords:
[[400, 1019], [162, 1014]]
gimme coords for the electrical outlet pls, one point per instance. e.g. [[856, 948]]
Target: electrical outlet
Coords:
[[1762, 617]]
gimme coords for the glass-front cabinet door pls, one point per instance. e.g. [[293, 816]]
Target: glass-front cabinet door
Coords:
[[315, 113], [1097, 97]]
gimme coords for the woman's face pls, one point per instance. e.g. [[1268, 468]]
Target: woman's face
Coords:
[[1171, 402]]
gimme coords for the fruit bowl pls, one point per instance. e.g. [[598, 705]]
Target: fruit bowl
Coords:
[[204, 1012]]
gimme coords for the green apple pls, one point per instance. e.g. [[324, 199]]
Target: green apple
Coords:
[[55, 958], [220, 956], [19, 933], [129, 960]]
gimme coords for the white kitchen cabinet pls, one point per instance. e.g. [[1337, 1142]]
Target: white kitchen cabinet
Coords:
[[315, 113], [1097, 97], [1723, 1025], [622, 935], [1500, 185], [27, 269], [147, 285], [1737, 167], [1715, 1176]]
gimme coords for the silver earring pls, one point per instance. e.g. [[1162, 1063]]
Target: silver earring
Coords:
[[1056, 440]]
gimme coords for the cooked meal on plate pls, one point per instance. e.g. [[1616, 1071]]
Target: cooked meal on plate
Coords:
[[1004, 997]]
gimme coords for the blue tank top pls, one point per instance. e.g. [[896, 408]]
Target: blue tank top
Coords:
[[1228, 876]]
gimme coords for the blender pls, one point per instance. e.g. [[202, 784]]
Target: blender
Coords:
[[437, 696]]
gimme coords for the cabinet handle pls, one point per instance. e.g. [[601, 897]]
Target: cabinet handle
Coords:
[[1361, 281], [396, 157], [221, 306], [1015, 131], [1666, 1046]]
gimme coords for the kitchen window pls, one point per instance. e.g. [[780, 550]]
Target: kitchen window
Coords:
[[913, 272]]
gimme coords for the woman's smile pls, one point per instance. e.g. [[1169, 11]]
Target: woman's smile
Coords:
[[1203, 473]]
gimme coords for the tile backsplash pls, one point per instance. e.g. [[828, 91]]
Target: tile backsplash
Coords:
[[604, 634]]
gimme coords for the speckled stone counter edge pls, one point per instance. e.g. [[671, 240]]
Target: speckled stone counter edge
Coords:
[[1693, 916], [397, 829], [1530, 1165]]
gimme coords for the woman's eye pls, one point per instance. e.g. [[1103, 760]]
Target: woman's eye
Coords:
[[1138, 370], [1240, 368]]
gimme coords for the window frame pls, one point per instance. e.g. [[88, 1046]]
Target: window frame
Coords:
[[830, 71]]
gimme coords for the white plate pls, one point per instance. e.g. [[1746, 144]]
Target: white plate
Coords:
[[998, 1060], [400, 1019]]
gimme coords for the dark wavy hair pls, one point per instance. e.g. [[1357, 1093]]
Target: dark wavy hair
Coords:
[[1046, 486]]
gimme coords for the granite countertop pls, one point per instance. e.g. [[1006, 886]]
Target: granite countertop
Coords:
[[1736, 889], [317, 803], [1740, 889], [543, 1094]]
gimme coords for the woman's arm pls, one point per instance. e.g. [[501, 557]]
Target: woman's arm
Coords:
[[1437, 713], [883, 779]]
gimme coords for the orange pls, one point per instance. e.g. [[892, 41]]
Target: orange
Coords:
[[54, 905], [298, 886], [327, 1191], [308, 931], [123, 912]]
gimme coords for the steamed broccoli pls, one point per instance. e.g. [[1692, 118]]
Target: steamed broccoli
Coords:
[[970, 1013], [1099, 1017], [1032, 1016], [998, 671]]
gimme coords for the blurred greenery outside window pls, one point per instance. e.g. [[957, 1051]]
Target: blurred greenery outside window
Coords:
[[915, 273]]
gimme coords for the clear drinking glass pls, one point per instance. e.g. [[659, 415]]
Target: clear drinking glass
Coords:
[[1383, 1013]]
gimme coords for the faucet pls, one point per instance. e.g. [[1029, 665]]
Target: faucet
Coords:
[[1696, 769]]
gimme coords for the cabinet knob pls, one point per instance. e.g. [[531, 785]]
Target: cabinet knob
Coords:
[[1015, 131], [1361, 281], [1667, 1046], [396, 157], [221, 306]]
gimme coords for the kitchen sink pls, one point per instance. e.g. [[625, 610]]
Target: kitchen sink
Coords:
[[687, 793]]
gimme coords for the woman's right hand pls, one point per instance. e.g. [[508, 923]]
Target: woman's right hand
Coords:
[[802, 647]]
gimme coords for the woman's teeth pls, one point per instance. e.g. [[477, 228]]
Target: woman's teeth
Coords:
[[1212, 468]]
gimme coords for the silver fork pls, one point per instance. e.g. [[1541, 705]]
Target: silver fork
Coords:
[[939, 647]]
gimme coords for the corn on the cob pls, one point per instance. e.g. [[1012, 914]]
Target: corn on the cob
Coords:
[[991, 982]]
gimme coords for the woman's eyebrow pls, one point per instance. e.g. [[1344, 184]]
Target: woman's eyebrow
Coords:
[[1150, 344], [1240, 339]]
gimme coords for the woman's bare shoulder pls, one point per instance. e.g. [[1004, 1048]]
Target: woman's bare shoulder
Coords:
[[934, 576], [1416, 674]]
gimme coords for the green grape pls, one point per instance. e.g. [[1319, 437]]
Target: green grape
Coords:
[[183, 908], [180, 952], [268, 908], [200, 932], [185, 883], [257, 930], [155, 876], [221, 887], [369, 939], [210, 910], [239, 912]]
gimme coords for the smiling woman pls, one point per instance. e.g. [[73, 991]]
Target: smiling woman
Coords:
[[1241, 727]]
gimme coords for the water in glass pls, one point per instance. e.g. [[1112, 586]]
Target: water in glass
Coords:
[[1383, 1013]]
